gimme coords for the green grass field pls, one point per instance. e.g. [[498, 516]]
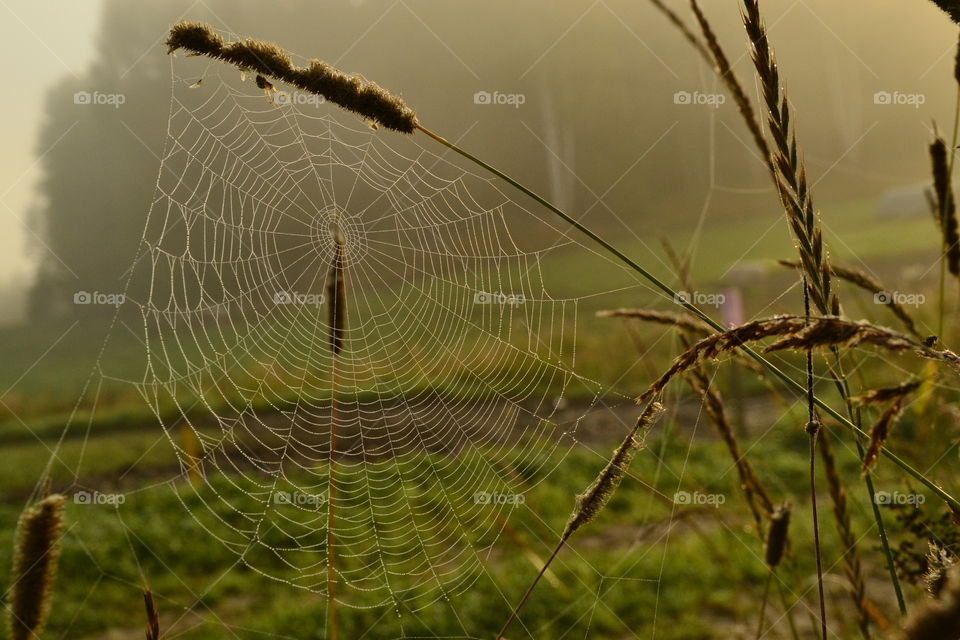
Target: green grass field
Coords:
[[644, 560], [646, 564]]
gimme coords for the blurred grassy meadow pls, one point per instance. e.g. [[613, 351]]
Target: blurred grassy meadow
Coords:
[[646, 554]]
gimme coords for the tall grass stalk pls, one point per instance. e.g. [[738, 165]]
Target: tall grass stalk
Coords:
[[591, 502], [840, 380], [949, 241], [788, 175], [813, 429], [337, 306]]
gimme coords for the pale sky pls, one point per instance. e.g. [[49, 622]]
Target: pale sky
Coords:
[[42, 42]]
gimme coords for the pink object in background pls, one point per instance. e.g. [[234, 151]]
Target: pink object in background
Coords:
[[731, 309]]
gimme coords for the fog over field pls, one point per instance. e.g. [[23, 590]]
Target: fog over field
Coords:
[[592, 109]]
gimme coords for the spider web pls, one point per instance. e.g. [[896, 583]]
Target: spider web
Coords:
[[400, 456]]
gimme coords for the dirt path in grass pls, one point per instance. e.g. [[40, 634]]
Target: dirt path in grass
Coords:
[[122, 461]]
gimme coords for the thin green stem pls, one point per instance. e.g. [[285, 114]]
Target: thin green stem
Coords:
[[813, 430], [884, 541], [816, 534], [772, 368], [763, 604], [526, 594], [842, 383], [788, 609]]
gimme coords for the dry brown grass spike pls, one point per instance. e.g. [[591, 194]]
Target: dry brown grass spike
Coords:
[[366, 99], [790, 173], [952, 7], [595, 497], [880, 432], [946, 203], [886, 394], [153, 616], [956, 62], [777, 533], [866, 282], [798, 333], [678, 320], [34, 567]]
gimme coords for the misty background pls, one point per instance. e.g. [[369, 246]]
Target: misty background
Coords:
[[600, 126]]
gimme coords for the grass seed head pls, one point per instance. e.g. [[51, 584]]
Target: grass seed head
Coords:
[[195, 37], [879, 433], [952, 8], [777, 535], [34, 567], [939, 619], [946, 203], [353, 93], [153, 617], [592, 501], [337, 295], [939, 561]]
